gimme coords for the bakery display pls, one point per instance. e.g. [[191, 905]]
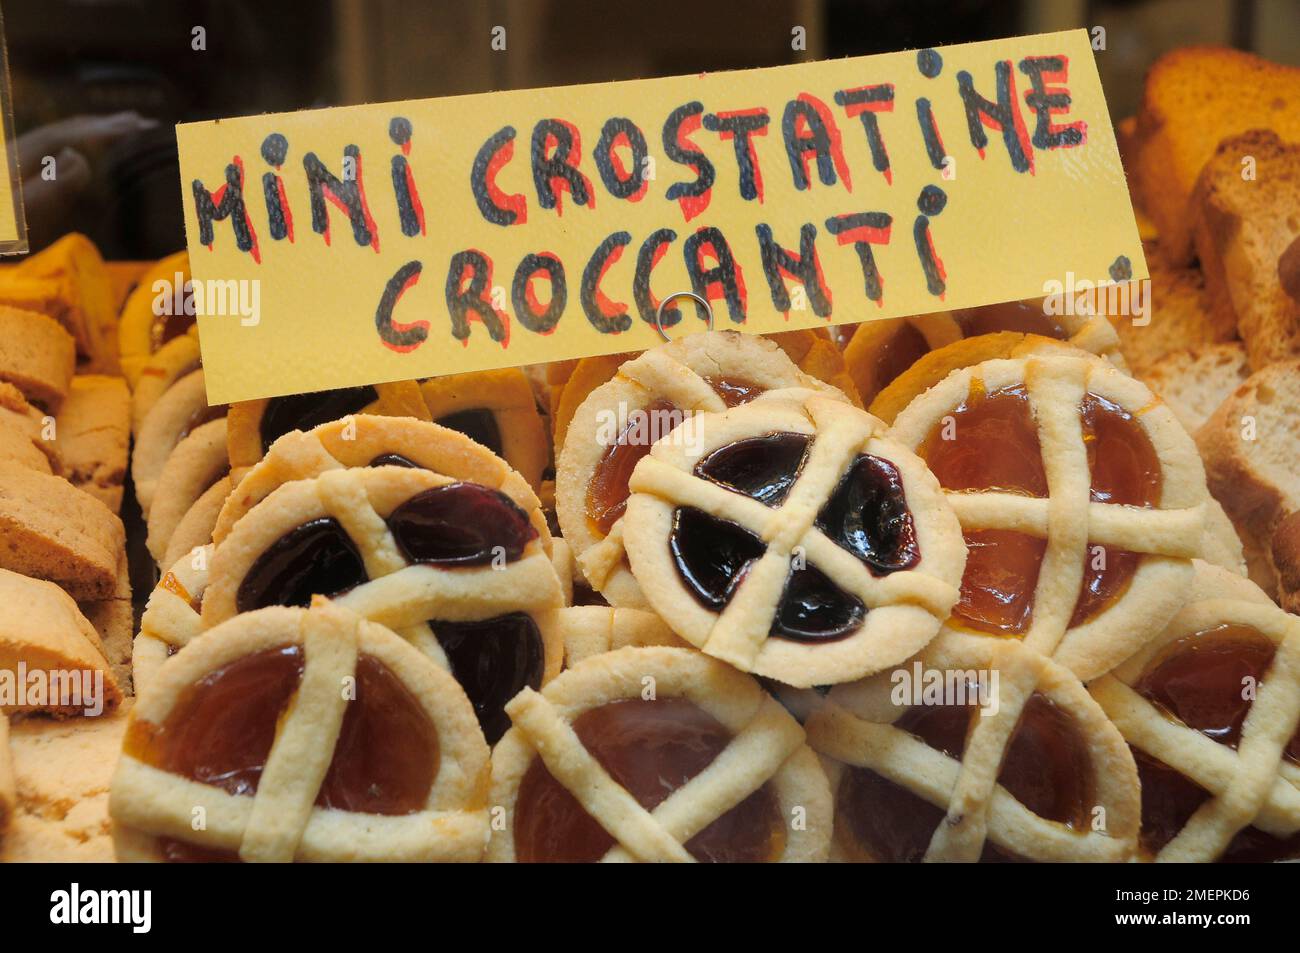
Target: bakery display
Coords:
[[1010, 583]]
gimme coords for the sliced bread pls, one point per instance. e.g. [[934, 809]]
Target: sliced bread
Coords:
[[1195, 381], [1195, 97]]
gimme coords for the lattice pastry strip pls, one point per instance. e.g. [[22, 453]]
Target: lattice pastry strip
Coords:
[[364, 440], [763, 756], [697, 374], [1253, 784], [436, 817], [1111, 484], [862, 726], [901, 606]]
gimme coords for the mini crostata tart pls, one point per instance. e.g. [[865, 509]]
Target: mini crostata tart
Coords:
[[497, 409], [880, 351], [975, 750], [301, 735], [455, 567], [655, 754], [614, 427], [174, 360], [256, 424], [1081, 498], [366, 440], [197, 464], [177, 413], [793, 538], [195, 528], [141, 331], [1210, 708]]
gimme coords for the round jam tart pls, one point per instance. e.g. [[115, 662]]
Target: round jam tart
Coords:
[[195, 528], [177, 413], [615, 426], [975, 750], [301, 734], [1081, 498], [812, 350], [141, 332], [197, 464], [1210, 707], [793, 539], [656, 754], [881, 351], [496, 409], [256, 424], [454, 567], [366, 440]]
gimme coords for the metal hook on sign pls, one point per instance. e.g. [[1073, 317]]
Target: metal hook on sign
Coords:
[[659, 315]]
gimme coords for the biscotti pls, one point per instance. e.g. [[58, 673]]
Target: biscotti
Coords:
[[1246, 219], [62, 773], [51, 658], [1195, 381], [114, 621], [90, 306], [36, 355], [1250, 447], [1193, 99], [94, 434], [1180, 316], [51, 530]]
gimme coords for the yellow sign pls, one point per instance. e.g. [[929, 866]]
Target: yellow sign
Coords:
[[13, 223], [364, 244]]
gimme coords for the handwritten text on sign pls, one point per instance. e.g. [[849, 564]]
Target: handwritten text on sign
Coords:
[[427, 237]]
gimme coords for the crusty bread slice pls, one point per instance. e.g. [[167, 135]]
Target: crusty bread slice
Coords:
[[1195, 381], [1195, 97], [1285, 559], [1244, 227], [1180, 316], [1251, 446]]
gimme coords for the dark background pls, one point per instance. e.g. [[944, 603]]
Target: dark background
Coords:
[[76, 57]]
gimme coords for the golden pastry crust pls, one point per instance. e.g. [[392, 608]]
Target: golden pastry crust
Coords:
[[195, 528], [854, 727], [507, 397], [675, 372], [280, 822], [178, 412], [396, 399], [903, 609], [197, 464], [358, 442], [1168, 536], [171, 362], [1253, 785], [593, 630], [140, 331], [767, 747]]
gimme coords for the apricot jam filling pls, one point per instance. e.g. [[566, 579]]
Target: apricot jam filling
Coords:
[[305, 411], [1200, 680], [493, 660], [734, 391], [990, 442], [1046, 768], [479, 424], [651, 748], [1026, 317], [221, 729], [903, 349]]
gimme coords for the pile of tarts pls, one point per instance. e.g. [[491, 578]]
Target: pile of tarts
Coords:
[[995, 585]]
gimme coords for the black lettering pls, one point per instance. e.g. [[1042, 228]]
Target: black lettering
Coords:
[[804, 268], [346, 191], [606, 316], [726, 273], [694, 196], [864, 229], [628, 185], [1001, 115], [227, 204], [400, 337], [473, 302], [496, 207], [652, 249], [557, 170], [864, 102], [739, 127], [527, 308], [1047, 135]]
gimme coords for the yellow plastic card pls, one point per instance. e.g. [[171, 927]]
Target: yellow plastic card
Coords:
[[363, 244]]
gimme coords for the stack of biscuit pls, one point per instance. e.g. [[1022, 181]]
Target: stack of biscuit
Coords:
[[1214, 164]]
